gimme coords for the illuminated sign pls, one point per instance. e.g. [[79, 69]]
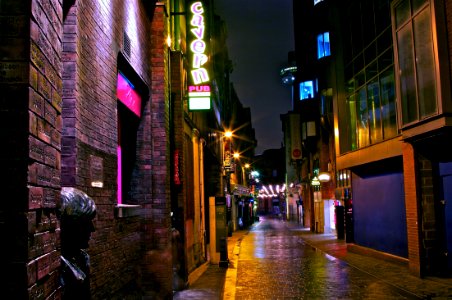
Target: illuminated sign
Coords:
[[227, 155], [198, 45], [199, 91], [198, 97]]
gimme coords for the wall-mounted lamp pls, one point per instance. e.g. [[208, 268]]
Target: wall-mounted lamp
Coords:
[[315, 181], [324, 177]]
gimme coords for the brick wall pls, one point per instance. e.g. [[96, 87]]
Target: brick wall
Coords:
[[412, 207], [430, 234], [101, 37], [30, 107], [58, 106], [158, 263]]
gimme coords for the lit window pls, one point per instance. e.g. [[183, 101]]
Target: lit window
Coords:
[[129, 112], [323, 45], [368, 113], [306, 89]]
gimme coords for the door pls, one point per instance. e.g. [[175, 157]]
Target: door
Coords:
[[446, 203]]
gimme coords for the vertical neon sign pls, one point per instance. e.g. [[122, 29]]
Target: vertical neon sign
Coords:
[[198, 45], [199, 91]]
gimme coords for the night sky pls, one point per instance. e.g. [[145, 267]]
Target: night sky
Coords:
[[260, 34]]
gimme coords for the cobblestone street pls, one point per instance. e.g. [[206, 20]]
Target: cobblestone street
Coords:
[[275, 263], [280, 260]]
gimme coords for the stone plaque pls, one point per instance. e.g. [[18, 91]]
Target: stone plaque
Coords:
[[96, 170]]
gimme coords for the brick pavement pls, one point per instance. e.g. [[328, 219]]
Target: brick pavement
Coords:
[[395, 274], [219, 283]]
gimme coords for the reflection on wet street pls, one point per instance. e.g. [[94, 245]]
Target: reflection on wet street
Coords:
[[275, 263]]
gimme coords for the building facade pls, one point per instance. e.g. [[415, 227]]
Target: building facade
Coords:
[[96, 97], [385, 65]]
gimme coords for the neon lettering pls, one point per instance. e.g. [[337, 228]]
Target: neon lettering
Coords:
[[197, 8], [199, 60], [199, 88], [197, 20], [198, 32], [198, 46], [200, 75]]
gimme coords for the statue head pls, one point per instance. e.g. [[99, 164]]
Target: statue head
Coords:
[[77, 212]]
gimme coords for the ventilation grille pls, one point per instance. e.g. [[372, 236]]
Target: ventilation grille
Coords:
[[126, 45]]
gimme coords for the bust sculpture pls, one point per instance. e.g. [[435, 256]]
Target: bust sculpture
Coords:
[[77, 212]]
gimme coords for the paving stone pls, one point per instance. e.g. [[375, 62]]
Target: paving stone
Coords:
[[281, 260]]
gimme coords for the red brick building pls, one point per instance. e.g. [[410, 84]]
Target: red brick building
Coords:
[[94, 96], [63, 124]]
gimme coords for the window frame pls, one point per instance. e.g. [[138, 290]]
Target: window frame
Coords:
[[438, 72], [324, 52], [313, 89]]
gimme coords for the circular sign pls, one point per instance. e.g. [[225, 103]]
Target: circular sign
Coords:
[[296, 153]]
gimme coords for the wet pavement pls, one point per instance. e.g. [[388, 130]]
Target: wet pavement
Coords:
[[275, 263], [281, 260]]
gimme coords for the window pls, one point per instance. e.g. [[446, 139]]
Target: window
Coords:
[[388, 107], [306, 89], [367, 115], [129, 112], [374, 110], [362, 121], [323, 45], [415, 60]]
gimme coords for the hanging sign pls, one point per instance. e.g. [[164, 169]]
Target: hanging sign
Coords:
[[176, 177], [199, 97], [199, 89], [227, 155]]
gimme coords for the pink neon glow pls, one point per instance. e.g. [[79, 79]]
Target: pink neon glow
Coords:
[[199, 32], [119, 179], [199, 76], [198, 46], [197, 8], [199, 60], [127, 95], [199, 88]]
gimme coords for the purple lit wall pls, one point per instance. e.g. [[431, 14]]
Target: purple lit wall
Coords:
[[127, 95], [379, 212]]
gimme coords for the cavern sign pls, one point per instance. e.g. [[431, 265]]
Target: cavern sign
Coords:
[[199, 88]]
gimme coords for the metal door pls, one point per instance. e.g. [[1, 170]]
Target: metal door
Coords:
[[446, 202]]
